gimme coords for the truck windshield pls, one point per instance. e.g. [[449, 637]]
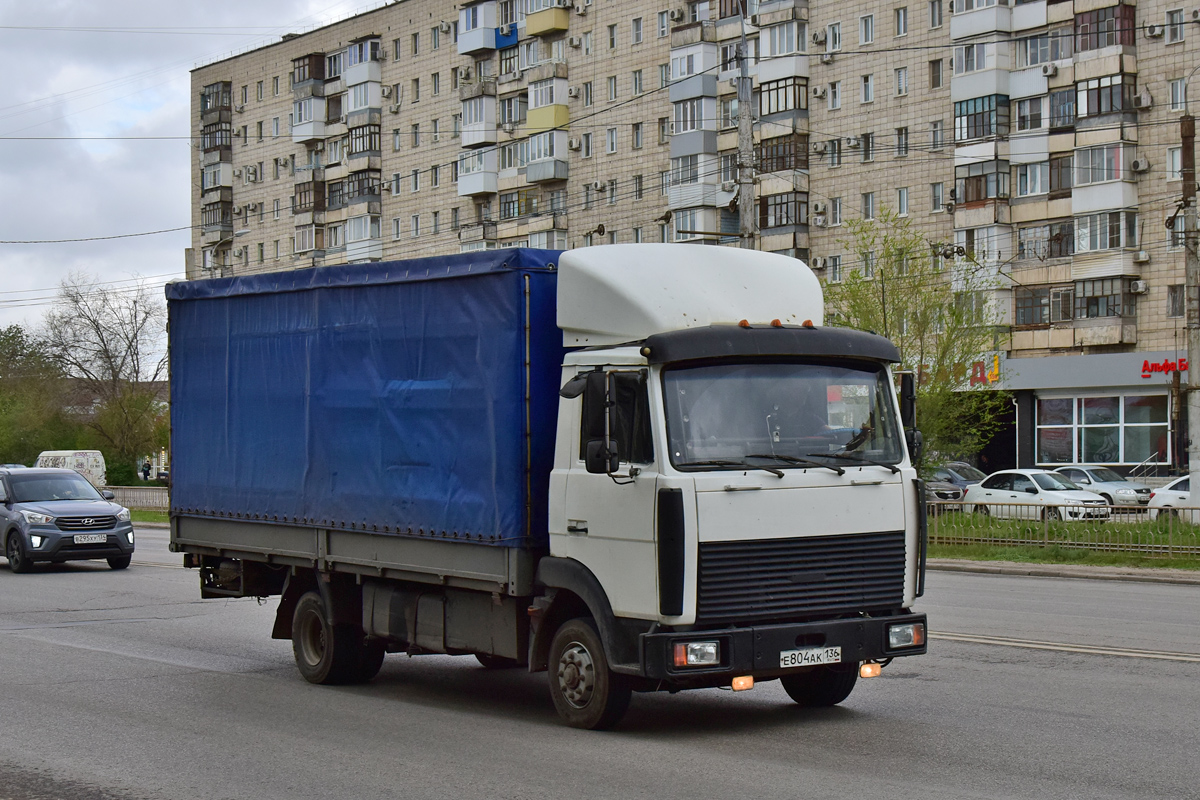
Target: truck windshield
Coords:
[[776, 413]]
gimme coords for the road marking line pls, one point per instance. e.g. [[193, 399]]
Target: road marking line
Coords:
[[1030, 644]]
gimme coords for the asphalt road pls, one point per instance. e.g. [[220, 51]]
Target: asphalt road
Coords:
[[118, 685]]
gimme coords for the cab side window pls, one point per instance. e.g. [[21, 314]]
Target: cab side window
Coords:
[[632, 429]]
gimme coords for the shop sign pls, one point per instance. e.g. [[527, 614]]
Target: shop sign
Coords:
[[982, 376], [1166, 366]]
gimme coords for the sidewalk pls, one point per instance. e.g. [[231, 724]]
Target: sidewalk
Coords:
[[1136, 574]]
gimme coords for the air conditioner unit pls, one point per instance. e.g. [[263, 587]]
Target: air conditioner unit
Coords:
[[445, 27], [818, 37], [1155, 31], [754, 20], [853, 141], [319, 147], [728, 186], [1196, 15], [574, 41], [437, 137], [464, 73], [509, 127], [676, 14], [819, 91], [237, 173], [817, 262], [951, 194], [239, 109], [238, 252], [561, 4], [1140, 165], [572, 91], [385, 90], [506, 29], [252, 174], [394, 108], [581, 9], [948, 208], [284, 161], [826, 58], [818, 207], [1049, 70], [573, 144], [818, 220], [598, 186], [819, 147], [237, 212], [1143, 101]]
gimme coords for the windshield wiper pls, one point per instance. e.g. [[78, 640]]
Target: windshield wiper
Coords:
[[723, 463], [859, 459], [794, 460]]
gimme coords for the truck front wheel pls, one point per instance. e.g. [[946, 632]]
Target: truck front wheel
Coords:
[[823, 686], [585, 692], [327, 653]]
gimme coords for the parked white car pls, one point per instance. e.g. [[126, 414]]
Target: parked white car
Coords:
[[1034, 494], [1115, 490], [1174, 496]]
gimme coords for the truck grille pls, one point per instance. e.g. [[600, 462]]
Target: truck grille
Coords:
[[789, 579], [85, 523]]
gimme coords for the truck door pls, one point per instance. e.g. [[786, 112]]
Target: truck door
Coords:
[[610, 517]]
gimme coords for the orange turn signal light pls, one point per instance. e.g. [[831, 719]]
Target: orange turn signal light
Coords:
[[743, 683], [744, 323], [808, 323], [869, 669]]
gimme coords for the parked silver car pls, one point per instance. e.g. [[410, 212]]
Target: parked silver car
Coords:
[[1115, 490]]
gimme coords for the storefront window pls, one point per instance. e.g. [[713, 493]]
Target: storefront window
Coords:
[[1118, 429]]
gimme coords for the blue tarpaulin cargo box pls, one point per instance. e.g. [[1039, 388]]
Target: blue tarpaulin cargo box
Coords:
[[412, 398]]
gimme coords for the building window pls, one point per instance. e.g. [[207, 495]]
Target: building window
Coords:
[[1174, 163], [1062, 108], [779, 210], [541, 94], [901, 141], [900, 18], [981, 180], [1108, 230], [834, 148], [636, 82], [664, 24], [936, 135], [902, 201], [1101, 164], [636, 136], [789, 94], [1175, 297], [664, 130], [684, 170], [970, 58], [610, 140], [585, 145], [981, 117], [685, 225], [937, 197], [361, 228], [364, 139], [901, 81], [1105, 27], [1177, 86], [637, 187], [1029, 114], [1174, 26], [588, 98], [779, 154], [866, 29], [612, 195], [688, 116], [635, 30], [1033, 179], [935, 13], [935, 73], [868, 205], [867, 84], [1062, 168], [833, 37], [835, 95], [612, 87], [1104, 95], [868, 146], [835, 211], [1120, 429], [664, 75]]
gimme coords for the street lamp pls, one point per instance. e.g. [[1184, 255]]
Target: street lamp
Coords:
[[217, 246]]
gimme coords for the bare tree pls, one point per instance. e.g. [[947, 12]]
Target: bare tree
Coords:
[[110, 341]]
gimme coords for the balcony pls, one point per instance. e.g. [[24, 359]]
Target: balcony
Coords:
[[548, 20], [549, 169], [479, 122], [693, 33], [362, 72], [477, 232], [979, 21], [308, 131], [551, 117], [364, 250], [689, 195]]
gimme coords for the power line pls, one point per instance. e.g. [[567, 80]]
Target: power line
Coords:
[[99, 238]]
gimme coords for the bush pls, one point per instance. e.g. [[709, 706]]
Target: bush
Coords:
[[118, 473]]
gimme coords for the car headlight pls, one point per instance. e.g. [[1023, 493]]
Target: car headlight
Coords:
[[1074, 502], [36, 541], [123, 515], [909, 634], [1126, 491], [34, 518]]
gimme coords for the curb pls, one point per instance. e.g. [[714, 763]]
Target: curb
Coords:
[[1128, 574], [163, 525]]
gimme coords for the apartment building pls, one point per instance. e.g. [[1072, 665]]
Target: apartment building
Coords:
[[1040, 139]]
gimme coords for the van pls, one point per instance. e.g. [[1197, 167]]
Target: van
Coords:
[[88, 463]]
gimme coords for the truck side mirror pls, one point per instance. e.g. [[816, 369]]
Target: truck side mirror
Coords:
[[908, 400], [602, 457], [916, 444]]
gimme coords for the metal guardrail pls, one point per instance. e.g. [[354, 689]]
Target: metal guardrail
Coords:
[[1163, 532], [150, 498]]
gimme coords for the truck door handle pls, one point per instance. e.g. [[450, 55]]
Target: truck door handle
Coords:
[[577, 526]]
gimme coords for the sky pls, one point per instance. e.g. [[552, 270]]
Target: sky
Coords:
[[88, 85]]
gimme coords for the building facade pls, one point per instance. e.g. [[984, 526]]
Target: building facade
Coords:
[[1039, 141]]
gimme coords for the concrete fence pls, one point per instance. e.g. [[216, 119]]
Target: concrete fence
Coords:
[[150, 498]]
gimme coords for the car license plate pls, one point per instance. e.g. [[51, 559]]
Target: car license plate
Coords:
[[810, 656], [90, 538]]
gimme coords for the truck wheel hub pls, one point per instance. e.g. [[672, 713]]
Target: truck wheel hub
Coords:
[[576, 675]]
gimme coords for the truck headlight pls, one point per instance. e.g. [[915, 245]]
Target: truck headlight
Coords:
[[34, 518], [908, 634], [697, 654]]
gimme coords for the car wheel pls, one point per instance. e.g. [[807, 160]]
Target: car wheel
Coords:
[[1107, 499], [983, 511], [823, 687], [1052, 514], [15, 551], [119, 562], [586, 693]]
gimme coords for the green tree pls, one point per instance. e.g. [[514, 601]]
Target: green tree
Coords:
[[935, 311], [110, 343], [33, 396]]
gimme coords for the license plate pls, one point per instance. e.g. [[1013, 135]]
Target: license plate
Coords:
[[810, 656], [90, 538]]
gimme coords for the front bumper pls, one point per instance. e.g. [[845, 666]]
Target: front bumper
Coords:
[[755, 650], [60, 545]]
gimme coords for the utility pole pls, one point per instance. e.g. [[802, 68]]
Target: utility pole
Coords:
[[1187, 135], [746, 207]]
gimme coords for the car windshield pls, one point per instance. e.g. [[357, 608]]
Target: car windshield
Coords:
[[41, 488], [1048, 480], [967, 472], [782, 414], [1105, 475]]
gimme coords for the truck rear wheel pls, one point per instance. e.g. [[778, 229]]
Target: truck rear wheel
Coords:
[[823, 687], [586, 693], [327, 653]]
